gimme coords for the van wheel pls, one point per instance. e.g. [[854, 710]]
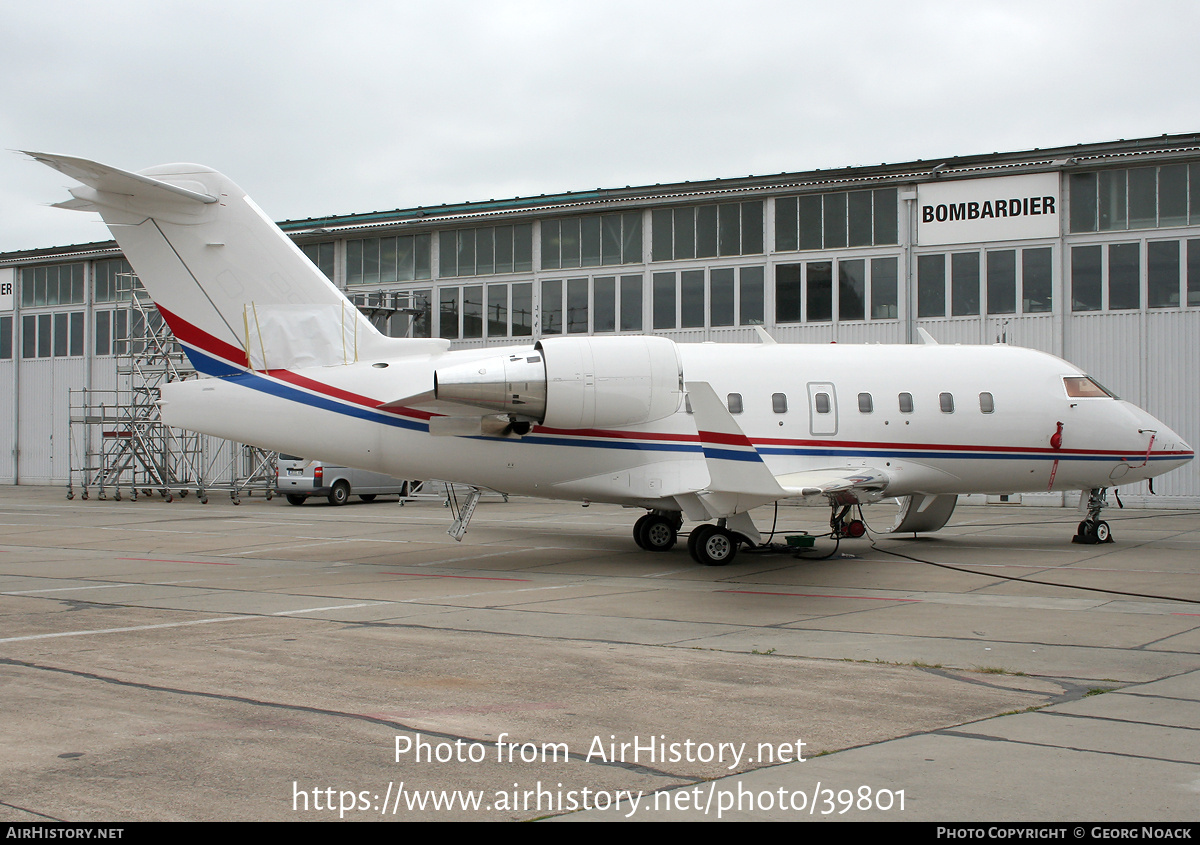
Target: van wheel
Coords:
[[367, 497], [340, 494], [294, 499]]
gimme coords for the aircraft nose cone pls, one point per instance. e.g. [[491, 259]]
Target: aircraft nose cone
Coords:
[[1173, 448]]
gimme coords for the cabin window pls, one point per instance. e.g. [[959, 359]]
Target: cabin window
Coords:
[[986, 403], [866, 404], [906, 405], [821, 400], [946, 400], [779, 403], [735, 403]]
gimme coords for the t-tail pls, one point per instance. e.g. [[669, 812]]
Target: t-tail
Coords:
[[235, 290]]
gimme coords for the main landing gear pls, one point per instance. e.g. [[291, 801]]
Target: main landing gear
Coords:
[[657, 531], [711, 545], [1093, 529]]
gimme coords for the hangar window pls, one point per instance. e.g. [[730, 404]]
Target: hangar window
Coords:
[[1036, 280], [931, 285], [691, 299], [485, 251], [400, 259], [1085, 278], [1110, 276], [883, 288], [111, 278], [818, 290], [52, 284], [51, 335], [946, 402], [1005, 275], [866, 405], [322, 256], [1124, 276], [448, 299], [597, 240], [779, 403], [396, 313], [852, 289], [6, 337], [987, 404], [807, 292], [964, 284], [735, 403], [1137, 198], [1193, 272], [1002, 281], [663, 304], [906, 403], [707, 231], [614, 304], [835, 220], [1162, 274]]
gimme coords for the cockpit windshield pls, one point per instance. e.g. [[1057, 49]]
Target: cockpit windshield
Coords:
[[1086, 387]]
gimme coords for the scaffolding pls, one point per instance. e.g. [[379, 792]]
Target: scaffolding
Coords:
[[118, 439]]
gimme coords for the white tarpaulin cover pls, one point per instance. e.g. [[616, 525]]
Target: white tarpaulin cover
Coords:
[[293, 336]]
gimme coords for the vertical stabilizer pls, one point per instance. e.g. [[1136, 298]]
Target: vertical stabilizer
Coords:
[[213, 262]]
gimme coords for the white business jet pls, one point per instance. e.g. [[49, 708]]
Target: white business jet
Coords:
[[702, 431]]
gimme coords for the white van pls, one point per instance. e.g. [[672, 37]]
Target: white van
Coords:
[[298, 478]]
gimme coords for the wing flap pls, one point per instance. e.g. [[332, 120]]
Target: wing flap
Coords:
[[834, 481]]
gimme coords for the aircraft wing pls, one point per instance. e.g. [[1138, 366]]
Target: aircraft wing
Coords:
[[739, 479]]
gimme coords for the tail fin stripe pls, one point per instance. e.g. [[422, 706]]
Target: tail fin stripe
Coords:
[[197, 338]]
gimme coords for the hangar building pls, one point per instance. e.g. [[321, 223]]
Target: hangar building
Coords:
[[1090, 252]]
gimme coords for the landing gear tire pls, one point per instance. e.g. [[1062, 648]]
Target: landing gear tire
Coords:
[[340, 494], [295, 499], [655, 533], [1091, 532], [368, 497], [712, 545], [637, 531]]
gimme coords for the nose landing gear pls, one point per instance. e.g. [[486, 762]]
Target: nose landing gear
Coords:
[[1093, 529]]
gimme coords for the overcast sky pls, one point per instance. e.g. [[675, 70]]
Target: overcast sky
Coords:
[[333, 108]]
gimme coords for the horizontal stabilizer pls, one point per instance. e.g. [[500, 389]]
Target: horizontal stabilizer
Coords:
[[111, 180], [75, 205]]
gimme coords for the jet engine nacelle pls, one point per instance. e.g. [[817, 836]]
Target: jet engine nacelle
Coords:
[[573, 382]]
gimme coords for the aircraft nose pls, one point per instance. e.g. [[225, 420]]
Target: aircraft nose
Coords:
[[1169, 446]]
